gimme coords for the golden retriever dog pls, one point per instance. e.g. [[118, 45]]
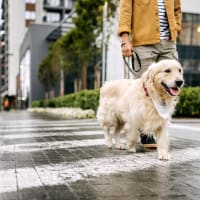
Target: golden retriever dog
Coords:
[[141, 105]]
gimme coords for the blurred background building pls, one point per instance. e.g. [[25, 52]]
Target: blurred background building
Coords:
[[16, 78], [189, 42]]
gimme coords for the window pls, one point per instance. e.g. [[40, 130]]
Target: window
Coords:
[[53, 2], [30, 15], [189, 48], [52, 17], [30, 1], [68, 4], [190, 34]]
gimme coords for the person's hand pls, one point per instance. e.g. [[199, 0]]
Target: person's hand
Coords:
[[127, 49]]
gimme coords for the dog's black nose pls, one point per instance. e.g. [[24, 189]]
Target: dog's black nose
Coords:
[[179, 83]]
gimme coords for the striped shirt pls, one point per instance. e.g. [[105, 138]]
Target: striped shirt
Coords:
[[164, 25]]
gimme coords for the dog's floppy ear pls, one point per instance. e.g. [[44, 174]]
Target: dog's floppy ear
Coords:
[[148, 74], [151, 72]]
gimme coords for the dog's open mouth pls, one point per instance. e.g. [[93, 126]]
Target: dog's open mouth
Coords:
[[173, 91]]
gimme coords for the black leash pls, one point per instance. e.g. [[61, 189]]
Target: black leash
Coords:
[[133, 69]]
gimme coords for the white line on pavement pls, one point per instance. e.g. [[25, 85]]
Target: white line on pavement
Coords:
[[184, 127], [41, 146], [50, 134], [65, 173], [28, 123], [26, 130]]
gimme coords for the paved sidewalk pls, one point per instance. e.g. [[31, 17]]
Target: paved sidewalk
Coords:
[[47, 159]]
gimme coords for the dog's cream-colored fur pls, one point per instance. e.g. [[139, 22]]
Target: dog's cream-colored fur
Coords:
[[131, 105]]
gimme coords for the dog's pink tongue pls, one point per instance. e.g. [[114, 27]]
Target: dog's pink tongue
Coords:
[[174, 91]]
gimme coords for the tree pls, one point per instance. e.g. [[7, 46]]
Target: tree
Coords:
[[81, 41], [83, 35], [74, 52], [48, 75]]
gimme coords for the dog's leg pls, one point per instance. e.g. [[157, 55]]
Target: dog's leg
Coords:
[[108, 137], [131, 136], [118, 144], [163, 144]]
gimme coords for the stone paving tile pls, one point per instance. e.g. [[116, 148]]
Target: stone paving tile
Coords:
[[152, 183], [36, 163], [9, 196]]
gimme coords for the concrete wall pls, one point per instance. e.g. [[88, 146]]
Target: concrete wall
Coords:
[[16, 29], [35, 40], [190, 6]]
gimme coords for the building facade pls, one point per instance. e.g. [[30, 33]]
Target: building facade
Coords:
[[188, 45], [188, 42], [11, 36], [33, 49], [17, 16]]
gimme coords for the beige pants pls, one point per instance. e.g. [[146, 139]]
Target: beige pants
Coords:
[[152, 53]]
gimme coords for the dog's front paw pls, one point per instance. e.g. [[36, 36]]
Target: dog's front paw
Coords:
[[132, 150], [109, 146], [120, 146], [163, 156]]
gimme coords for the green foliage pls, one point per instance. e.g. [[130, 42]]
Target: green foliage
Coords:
[[187, 106], [78, 47], [48, 71], [189, 103], [80, 41], [85, 99], [88, 99]]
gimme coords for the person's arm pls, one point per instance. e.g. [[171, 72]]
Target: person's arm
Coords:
[[126, 45], [178, 14], [125, 16], [124, 26]]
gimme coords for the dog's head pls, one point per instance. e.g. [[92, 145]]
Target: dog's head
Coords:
[[165, 76]]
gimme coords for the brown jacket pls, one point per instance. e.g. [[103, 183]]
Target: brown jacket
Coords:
[[145, 28]]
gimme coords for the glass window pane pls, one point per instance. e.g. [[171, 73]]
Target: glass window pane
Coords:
[[30, 15], [30, 1], [190, 34], [53, 17], [68, 4], [54, 2]]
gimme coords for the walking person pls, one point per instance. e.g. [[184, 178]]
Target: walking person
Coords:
[[149, 28]]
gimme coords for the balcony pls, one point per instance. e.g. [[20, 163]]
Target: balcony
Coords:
[[55, 5]]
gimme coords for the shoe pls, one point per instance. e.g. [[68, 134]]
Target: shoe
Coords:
[[148, 141]]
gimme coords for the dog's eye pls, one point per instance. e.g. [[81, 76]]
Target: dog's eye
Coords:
[[167, 70], [180, 70]]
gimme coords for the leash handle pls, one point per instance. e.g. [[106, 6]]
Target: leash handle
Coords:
[[138, 60], [133, 69]]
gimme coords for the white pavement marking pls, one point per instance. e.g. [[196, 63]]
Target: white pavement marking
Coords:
[[26, 130], [126, 163], [27, 178], [185, 132], [8, 181], [50, 134], [36, 123], [65, 173], [184, 127], [41, 146]]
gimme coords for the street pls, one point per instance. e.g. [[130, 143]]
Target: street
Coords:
[[45, 158]]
